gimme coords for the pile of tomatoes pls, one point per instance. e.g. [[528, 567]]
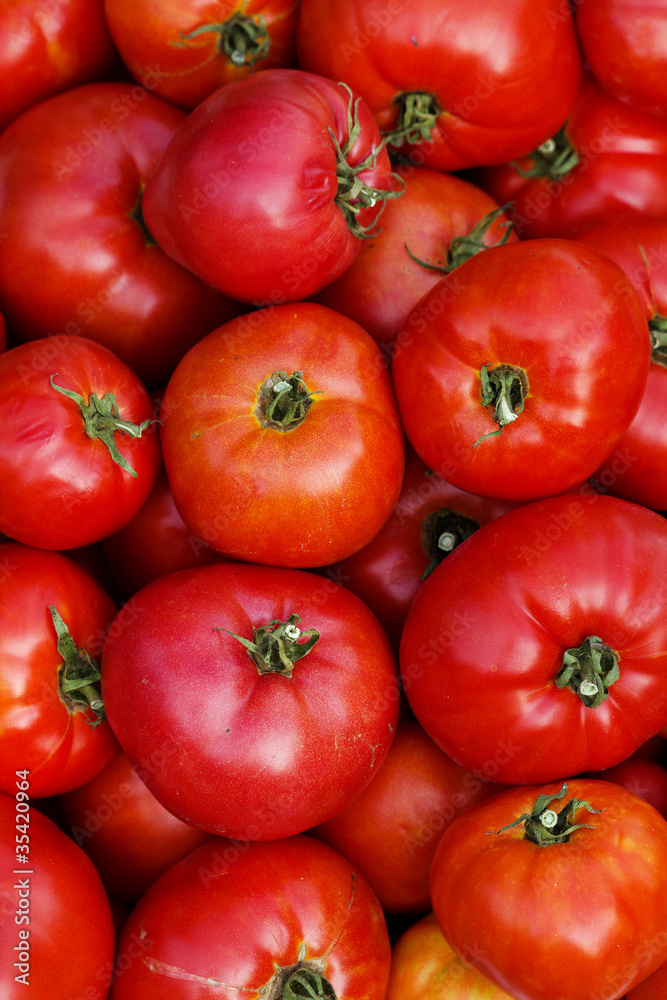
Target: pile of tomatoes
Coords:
[[333, 381]]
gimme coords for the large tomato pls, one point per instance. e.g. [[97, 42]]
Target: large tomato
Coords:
[[72, 171], [78, 455], [273, 698], [49, 905], [452, 84], [53, 620], [281, 437], [269, 186], [521, 369], [556, 892], [290, 918], [189, 48], [539, 646]]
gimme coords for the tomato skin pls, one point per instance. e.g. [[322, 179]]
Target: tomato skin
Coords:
[[304, 497], [236, 769], [58, 746], [149, 36], [486, 634], [245, 193], [641, 776], [501, 78], [651, 988], [201, 917], [49, 908], [72, 171], [552, 897], [483, 314], [77, 493]]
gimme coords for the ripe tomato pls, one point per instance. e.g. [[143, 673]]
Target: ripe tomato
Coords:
[[50, 905], [451, 84], [53, 619], [578, 889], [641, 776], [77, 453], [269, 186], [232, 919], [203, 671], [281, 437], [189, 48], [72, 171], [540, 644]]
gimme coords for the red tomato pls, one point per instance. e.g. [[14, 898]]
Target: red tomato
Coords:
[[430, 519], [637, 469], [53, 620], [652, 988], [390, 831], [579, 889], [607, 158], [641, 776], [124, 830], [47, 46], [72, 171], [452, 84], [424, 967], [281, 437], [269, 186], [77, 455], [236, 918], [539, 646], [440, 220], [521, 370], [51, 903], [624, 42], [189, 48], [252, 750]]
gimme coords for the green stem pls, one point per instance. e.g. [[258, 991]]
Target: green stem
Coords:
[[283, 401], [554, 159], [462, 248], [276, 647], [589, 670], [504, 388], [418, 112], [441, 533], [137, 214], [78, 674], [243, 40], [306, 984], [544, 826], [658, 332]]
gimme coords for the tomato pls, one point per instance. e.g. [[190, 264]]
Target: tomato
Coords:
[[235, 918], [124, 830], [77, 456], [189, 49], [430, 519], [281, 437], [268, 188], [390, 831], [608, 157], [637, 470], [520, 370], [557, 871], [651, 988], [539, 645], [624, 42], [53, 620], [641, 776], [252, 750], [424, 967], [438, 222], [72, 170], [49, 47], [51, 903]]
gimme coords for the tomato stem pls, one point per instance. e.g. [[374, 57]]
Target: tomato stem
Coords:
[[658, 332], [101, 421], [544, 826], [243, 40], [78, 674], [284, 401], [462, 248], [441, 533], [505, 388], [589, 670], [418, 113], [554, 159], [276, 647], [306, 983]]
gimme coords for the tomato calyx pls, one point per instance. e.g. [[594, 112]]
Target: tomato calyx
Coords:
[[504, 388], [462, 248], [243, 40], [544, 826], [101, 421], [554, 159], [78, 674], [275, 647], [589, 670], [306, 983], [418, 112], [441, 532], [354, 195], [658, 332], [283, 401]]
